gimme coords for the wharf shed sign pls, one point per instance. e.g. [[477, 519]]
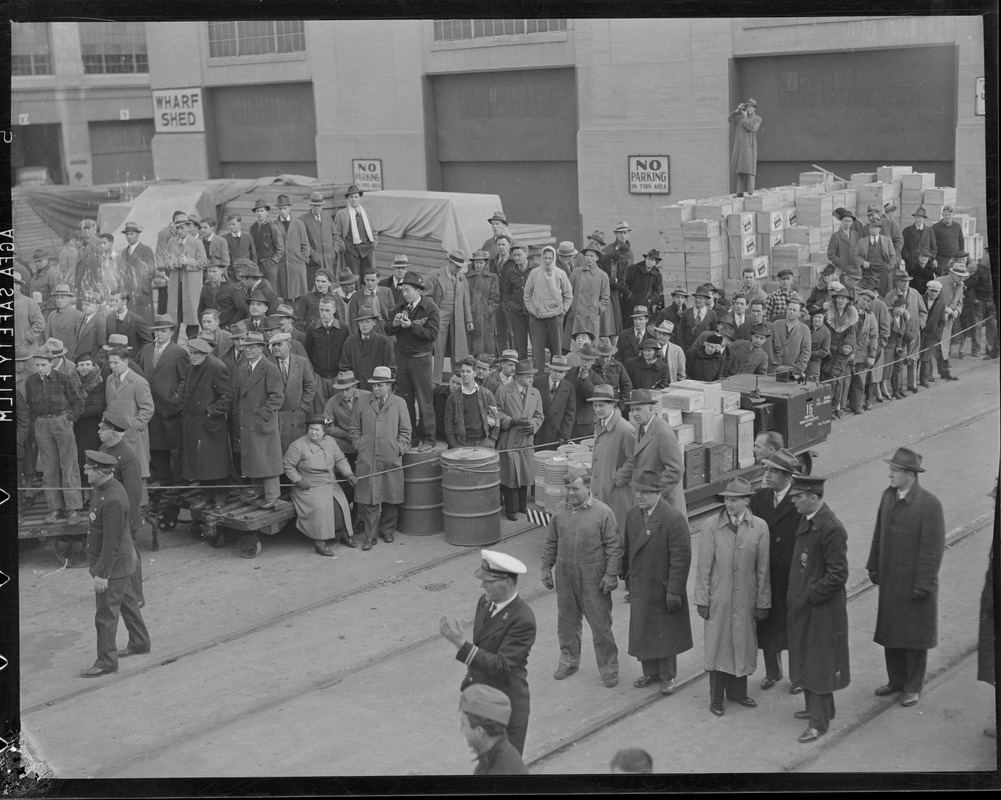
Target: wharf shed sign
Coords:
[[178, 111], [649, 174]]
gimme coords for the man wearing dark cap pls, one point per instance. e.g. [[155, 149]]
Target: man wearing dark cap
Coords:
[[112, 557], [917, 237], [269, 245], [744, 157], [875, 254], [503, 635], [773, 504], [904, 560], [357, 228], [45, 279], [775, 305], [697, 319], [644, 284], [220, 294], [817, 606], [844, 241], [252, 283], [750, 357], [483, 717], [498, 224], [656, 561], [366, 349]]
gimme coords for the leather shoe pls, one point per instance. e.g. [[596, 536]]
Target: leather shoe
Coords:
[[794, 689], [388, 538], [610, 683], [52, 517], [564, 672], [645, 680], [802, 715], [885, 691], [426, 447], [951, 378], [716, 711], [810, 735], [512, 517], [349, 541], [96, 672], [127, 652], [668, 687], [368, 545], [768, 683], [324, 549], [747, 702], [910, 699], [73, 518]]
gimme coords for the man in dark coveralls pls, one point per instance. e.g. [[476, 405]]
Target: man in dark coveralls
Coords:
[[656, 561], [503, 635], [112, 559], [817, 606], [773, 504], [907, 548]]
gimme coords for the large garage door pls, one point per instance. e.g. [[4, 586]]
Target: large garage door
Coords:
[[120, 151], [267, 129], [513, 134], [853, 111]]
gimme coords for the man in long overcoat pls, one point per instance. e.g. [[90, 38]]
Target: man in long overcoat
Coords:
[[744, 157], [658, 459], [205, 406], [614, 446], [907, 547], [258, 393], [448, 290], [484, 300], [186, 260], [140, 261], [773, 504], [917, 310], [300, 386], [656, 562], [380, 432], [292, 263], [325, 247], [732, 592], [165, 365], [591, 296], [521, 417], [817, 606], [559, 402], [128, 398]]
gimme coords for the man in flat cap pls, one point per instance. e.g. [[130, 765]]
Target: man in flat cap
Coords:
[[357, 228], [584, 545], [656, 560], [503, 635], [112, 557], [744, 157], [45, 278], [906, 553], [483, 719], [817, 606], [775, 305], [875, 254], [448, 290]]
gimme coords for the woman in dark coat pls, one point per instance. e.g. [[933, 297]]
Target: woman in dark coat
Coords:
[[706, 360], [94, 401], [842, 319], [647, 370], [205, 406]]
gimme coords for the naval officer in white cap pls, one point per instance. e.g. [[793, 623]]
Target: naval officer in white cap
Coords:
[[503, 635]]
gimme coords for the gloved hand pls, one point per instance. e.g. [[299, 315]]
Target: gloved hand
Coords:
[[352, 479], [760, 614], [673, 602], [920, 594], [302, 483], [547, 579], [874, 577], [608, 584], [526, 425], [703, 611]]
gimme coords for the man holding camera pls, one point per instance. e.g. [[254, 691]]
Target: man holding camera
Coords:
[[744, 158]]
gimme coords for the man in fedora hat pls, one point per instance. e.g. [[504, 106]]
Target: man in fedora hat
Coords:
[[499, 265], [219, 294], [55, 402], [217, 249], [791, 337], [917, 236], [584, 545], [128, 397], [669, 352], [890, 227], [732, 593], [325, 246], [484, 300], [503, 635], [548, 297], [648, 370], [875, 254], [817, 606], [269, 246], [299, 388], [358, 229], [513, 278], [614, 445], [363, 351], [186, 261], [296, 252], [750, 356], [672, 311], [522, 416], [347, 288], [644, 284], [696, 320], [57, 351], [498, 224], [124, 321], [658, 458], [45, 278], [251, 282], [744, 156], [28, 320], [609, 370], [951, 297], [87, 275], [628, 341], [337, 414], [257, 305], [415, 328], [559, 404], [773, 504], [616, 257], [584, 379], [139, 265], [378, 299], [380, 432], [657, 557], [591, 295], [502, 371], [565, 257], [165, 366], [64, 320], [904, 286], [401, 263], [844, 241], [948, 237], [907, 546]]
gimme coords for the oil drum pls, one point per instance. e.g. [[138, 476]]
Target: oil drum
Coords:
[[470, 481], [421, 511]]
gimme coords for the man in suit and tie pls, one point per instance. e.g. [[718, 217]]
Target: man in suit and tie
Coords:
[[165, 365], [269, 245], [559, 404], [395, 281], [92, 333], [296, 254], [367, 349], [358, 230], [629, 340], [139, 260], [503, 635], [128, 398], [300, 386], [325, 245], [773, 503], [659, 459], [876, 257], [127, 323], [375, 297], [696, 320]]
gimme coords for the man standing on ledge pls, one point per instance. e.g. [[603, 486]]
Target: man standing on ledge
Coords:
[[744, 158], [503, 635]]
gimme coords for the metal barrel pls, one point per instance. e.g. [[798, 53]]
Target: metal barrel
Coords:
[[470, 477], [421, 511]]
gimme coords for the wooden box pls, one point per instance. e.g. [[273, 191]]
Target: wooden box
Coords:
[[712, 392], [702, 422], [685, 434], [742, 224], [682, 399], [701, 229]]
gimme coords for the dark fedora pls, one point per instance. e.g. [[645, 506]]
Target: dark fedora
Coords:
[[283, 200], [498, 217], [593, 248], [703, 291], [365, 312], [905, 458], [603, 392], [654, 254], [640, 397], [525, 368], [162, 321], [352, 189], [649, 344], [641, 486], [259, 203], [784, 460], [413, 279], [597, 236]]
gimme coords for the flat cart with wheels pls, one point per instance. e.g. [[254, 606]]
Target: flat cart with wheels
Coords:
[[69, 542]]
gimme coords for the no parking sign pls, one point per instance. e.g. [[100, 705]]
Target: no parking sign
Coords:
[[367, 173]]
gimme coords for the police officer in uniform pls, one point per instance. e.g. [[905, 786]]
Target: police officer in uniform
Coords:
[[112, 558]]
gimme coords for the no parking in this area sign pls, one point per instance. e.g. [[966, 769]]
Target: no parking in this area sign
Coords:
[[649, 174]]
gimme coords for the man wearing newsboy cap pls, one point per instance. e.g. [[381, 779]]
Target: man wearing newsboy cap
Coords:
[[907, 547], [503, 635], [483, 719]]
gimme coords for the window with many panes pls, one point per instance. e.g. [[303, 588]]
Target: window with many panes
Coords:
[[256, 37], [450, 30], [29, 49], [113, 48]]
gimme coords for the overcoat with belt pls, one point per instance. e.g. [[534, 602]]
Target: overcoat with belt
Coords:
[[133, 403], [166, 383], [907, 547], [300, 386], [817, 606], [191, 275], [591, 296], [257, 396], [658, 557], [783, 522], [205, 407], [517, 467], [612, 465], [325, 248], [659, 460], [381, 437], [451, 323], [296, 254]]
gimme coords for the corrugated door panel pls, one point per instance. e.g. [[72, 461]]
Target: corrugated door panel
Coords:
[[121, 151]]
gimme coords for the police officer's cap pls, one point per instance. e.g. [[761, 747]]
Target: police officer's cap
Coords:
[[98, 460]]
